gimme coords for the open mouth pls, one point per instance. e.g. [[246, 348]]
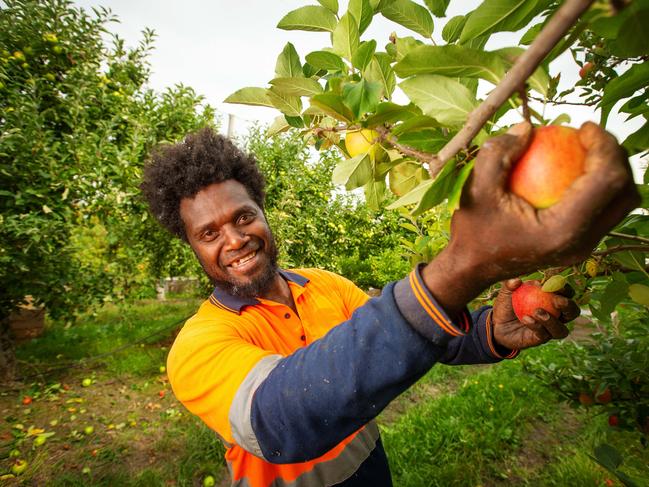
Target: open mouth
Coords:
[[237, 264]]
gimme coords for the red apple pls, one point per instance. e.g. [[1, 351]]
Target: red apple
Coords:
[[613, 420], [605, 397], [553, 160], [585, 69], [528, 297], [585, 399]]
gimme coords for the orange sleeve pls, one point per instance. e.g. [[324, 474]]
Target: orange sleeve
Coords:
[[206, 365]]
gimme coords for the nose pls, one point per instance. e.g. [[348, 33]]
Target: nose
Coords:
[[233, 238]]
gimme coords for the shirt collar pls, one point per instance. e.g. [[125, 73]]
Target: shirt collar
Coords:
[[235, 304]]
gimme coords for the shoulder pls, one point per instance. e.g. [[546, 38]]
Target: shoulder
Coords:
[[321, 276]]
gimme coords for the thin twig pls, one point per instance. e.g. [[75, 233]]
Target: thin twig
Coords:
[[525, 65], [385, 135], [629, 237], [622, 248]]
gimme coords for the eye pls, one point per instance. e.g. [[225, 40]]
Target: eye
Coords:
[[209, 235], [245, 219]]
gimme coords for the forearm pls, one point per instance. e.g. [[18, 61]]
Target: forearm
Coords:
[[310, 401], [455, 280]]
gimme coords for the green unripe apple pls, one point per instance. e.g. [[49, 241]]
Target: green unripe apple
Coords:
[[359, 142], [209, 481]]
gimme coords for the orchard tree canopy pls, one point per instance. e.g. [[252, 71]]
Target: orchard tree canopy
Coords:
[[418, 154], [76, 123]]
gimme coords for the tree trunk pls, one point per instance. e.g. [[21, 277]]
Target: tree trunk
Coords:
[[7, 352]]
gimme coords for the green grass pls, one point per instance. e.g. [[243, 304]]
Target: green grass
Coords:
[[501, 426], [121, 338], [458, 426]]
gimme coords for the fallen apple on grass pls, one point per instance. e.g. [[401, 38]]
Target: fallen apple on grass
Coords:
[[552, 161]]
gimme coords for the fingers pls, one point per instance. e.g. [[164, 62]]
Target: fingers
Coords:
[[568, 308], [606, 181], [510, 285], [538, 329], [545, 325], [496, 157]]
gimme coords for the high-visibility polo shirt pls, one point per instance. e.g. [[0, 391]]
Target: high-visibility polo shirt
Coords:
[[228, 336], [293, 396]]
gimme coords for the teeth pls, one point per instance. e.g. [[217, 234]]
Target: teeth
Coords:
[[245, 259]]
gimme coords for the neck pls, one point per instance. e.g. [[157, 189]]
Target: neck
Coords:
[[280, 292]]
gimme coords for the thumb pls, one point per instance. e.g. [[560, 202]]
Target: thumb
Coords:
[[497, 155]]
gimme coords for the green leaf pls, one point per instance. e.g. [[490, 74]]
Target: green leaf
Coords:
[[345, 37], [250, 96], [388, 112], [325, 60], [296, 122], [309, 18], [330, 5], [402, 46], [444, 99], [380, 71], [633, 38], [279, 125], [288, 63], [437, 7], [540, 79], [363, 56], [615, 291], [374, 194], [608, 456], [406, 176], [333, 105], [639, 293], [353, 173], [554, 284], [429, 193], [289, 105], [638, 141], [500, 16], [624, 86], [415, 123], [452, 61], [531, 34], [363, 13], [456, 191], [362, 97], [413, 196], [296, 86], [453, 28], [426, 140], [410, 15]]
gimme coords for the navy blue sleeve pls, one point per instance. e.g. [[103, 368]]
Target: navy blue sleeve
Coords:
[[322, 393]]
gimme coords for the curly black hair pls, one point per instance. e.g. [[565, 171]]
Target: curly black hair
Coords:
[[181, 170]]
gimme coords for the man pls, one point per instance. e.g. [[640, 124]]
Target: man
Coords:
[[264, 364]]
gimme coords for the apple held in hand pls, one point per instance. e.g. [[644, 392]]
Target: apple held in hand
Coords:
[[553, 160], [528, 297]]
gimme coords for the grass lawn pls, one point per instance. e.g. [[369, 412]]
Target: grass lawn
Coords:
[[102, 418]]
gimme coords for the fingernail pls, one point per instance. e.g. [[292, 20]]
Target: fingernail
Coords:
[[519, 129], [543, 315]]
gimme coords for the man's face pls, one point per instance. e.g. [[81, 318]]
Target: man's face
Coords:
[[231, 238]]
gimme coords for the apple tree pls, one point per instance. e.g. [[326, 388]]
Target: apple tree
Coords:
[[76, 123], [409, 112]]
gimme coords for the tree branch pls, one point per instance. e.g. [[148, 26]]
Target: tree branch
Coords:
[[560, 23], [622, 248], [629, 237]]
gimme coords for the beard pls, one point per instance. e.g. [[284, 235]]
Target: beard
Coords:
[[257, 286]]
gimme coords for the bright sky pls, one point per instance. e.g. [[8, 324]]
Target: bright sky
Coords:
[[219, 46]]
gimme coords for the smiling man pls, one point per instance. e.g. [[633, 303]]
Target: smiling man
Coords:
[[290, 368]]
